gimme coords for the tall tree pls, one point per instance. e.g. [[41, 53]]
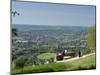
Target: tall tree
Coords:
[[14, 32], [91, 39]]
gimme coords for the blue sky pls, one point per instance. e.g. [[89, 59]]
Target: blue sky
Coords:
[[53, 14]]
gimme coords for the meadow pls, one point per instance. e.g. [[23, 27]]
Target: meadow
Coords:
[[80, 64]]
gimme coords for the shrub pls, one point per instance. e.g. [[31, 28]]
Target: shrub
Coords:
[[20, 61]]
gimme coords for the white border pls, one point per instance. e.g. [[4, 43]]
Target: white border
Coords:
[[86, 2], [5, 37]]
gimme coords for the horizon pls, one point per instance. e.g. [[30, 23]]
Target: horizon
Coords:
[[49, 25], [50, 14]]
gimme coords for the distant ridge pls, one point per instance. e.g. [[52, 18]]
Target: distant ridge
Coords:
[[48, 25], [26, 27]]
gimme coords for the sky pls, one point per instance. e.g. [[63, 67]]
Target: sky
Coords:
[[36, 13]]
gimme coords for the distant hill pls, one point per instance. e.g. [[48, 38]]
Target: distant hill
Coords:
[[31, 27], [24, 27]]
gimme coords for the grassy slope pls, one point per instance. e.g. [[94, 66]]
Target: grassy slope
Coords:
[[85, 63], [46, 55], [81, 64]]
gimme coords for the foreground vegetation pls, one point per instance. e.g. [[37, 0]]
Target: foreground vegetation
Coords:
[[81, 64]]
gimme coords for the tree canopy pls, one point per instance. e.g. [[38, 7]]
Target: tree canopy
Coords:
[[20, 62], [91, 39], [14, 32]]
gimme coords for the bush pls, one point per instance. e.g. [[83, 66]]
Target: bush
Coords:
[[54, 67], [81, 64], [20, 61]]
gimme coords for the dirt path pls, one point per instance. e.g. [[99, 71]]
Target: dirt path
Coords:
[[75, 58]]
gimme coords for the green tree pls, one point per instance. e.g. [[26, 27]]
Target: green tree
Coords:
[[14, 32], [20, 61], [91, 39]]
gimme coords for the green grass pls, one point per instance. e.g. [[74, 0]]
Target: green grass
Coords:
[[81, 64], [46, 55]]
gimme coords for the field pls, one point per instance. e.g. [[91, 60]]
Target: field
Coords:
[[80, 64]]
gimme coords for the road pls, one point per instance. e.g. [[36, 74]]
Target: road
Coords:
[[75, 58]]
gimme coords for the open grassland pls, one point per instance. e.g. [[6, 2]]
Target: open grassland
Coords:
[[86, 63]]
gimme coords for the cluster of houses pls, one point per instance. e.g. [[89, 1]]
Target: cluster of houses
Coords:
[[64, 49]]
